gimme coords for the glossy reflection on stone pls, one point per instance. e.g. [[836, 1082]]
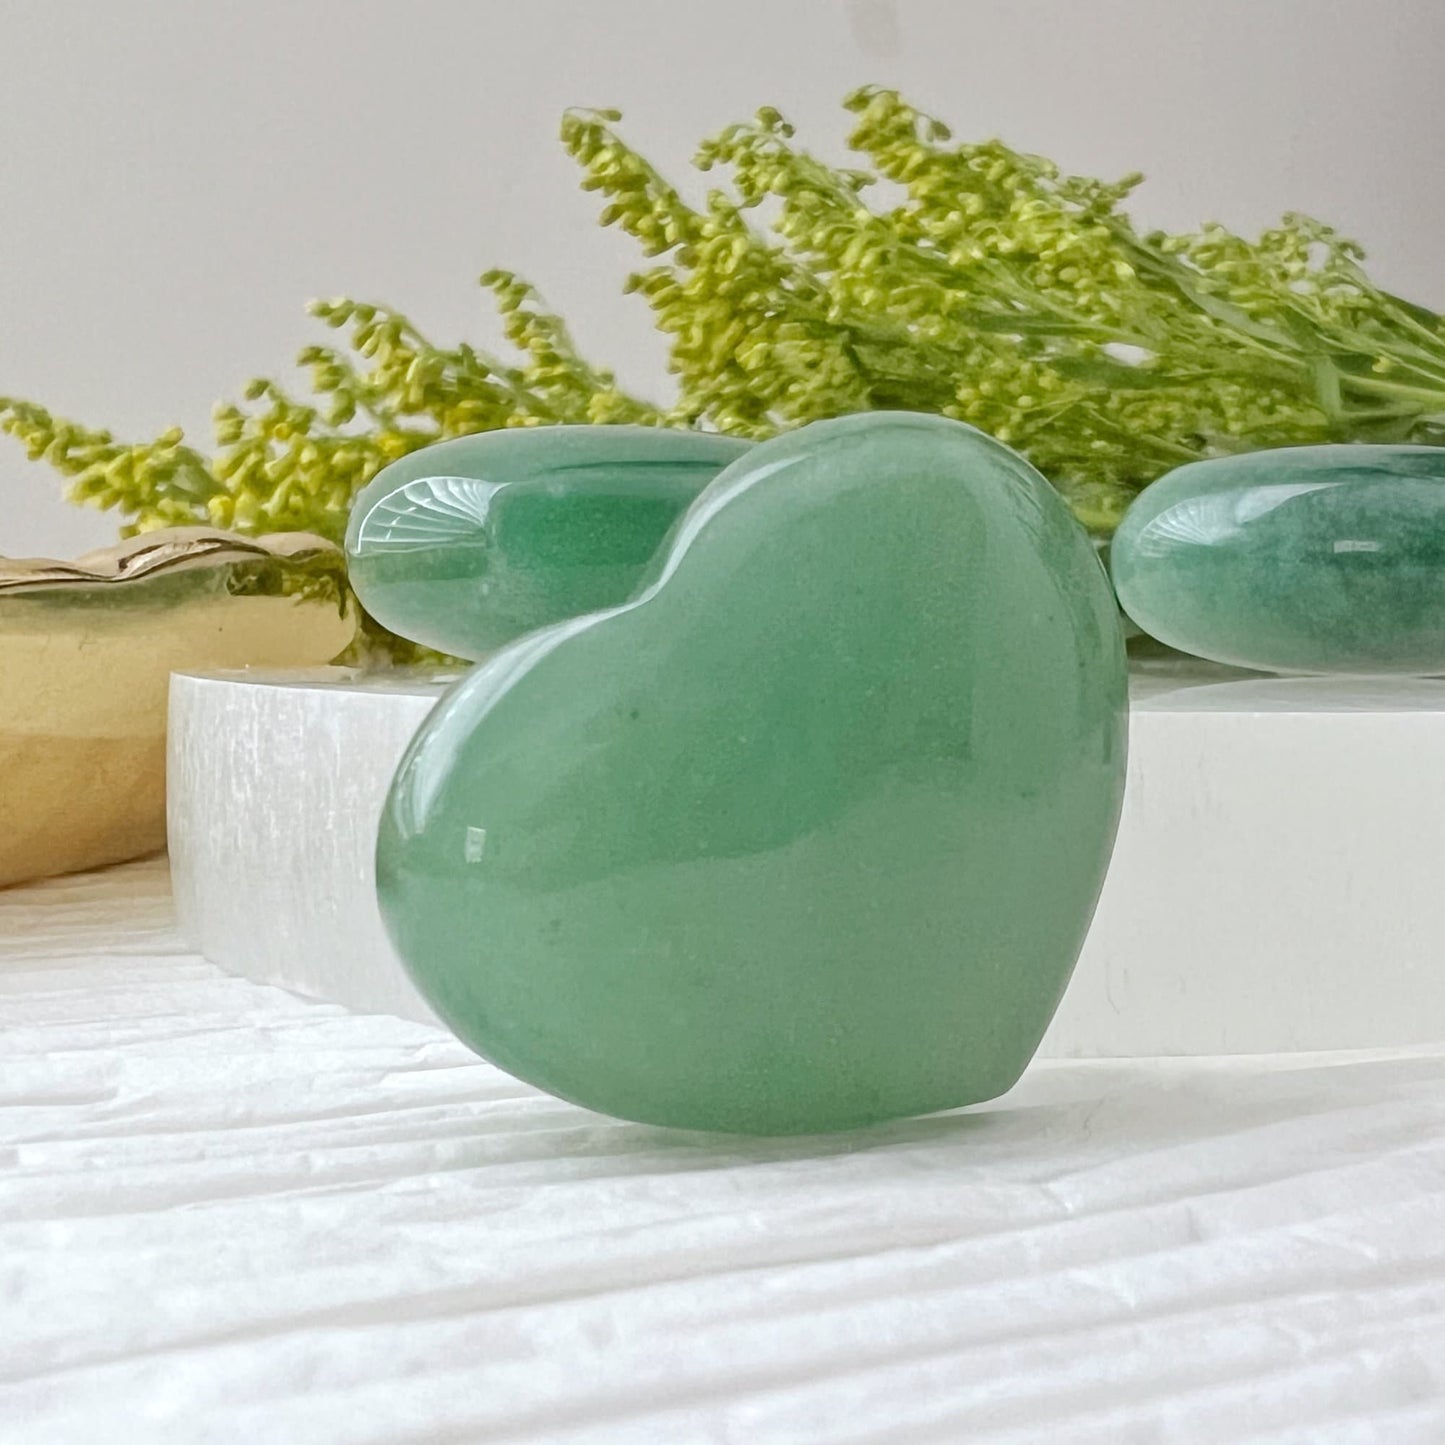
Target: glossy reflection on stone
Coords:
[[810, 833], [1303, 559], [469, 543]]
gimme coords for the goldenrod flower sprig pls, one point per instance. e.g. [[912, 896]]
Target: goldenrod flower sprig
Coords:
[[283, 464], [972, 280], [997, 290]]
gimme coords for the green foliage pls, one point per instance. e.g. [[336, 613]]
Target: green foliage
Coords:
[[982, 284], [287, 465], [284, 465], [993, 289]]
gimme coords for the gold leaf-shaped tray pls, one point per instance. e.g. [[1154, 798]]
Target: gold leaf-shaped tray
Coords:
[[86, 652]]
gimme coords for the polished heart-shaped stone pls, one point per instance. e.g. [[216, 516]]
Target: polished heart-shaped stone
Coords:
[[1301, 559], [469, 543], [806, 836]]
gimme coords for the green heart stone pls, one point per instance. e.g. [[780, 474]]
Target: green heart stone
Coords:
[[1302, 559], [806, 836], [469, 543]]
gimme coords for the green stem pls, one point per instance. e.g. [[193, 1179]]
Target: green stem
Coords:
[[1377, 387]]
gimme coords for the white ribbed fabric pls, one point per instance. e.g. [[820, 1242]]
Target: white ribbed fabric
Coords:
[[229, 1215]]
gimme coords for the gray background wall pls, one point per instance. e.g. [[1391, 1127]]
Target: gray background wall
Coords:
[[177, 177]]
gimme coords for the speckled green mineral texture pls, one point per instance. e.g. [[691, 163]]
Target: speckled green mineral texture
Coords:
[[1301, 559]]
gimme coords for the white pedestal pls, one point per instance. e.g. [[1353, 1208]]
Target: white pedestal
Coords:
[[1276, 884], [274, 789]]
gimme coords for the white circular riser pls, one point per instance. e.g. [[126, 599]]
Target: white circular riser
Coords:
[[274, 788], [1275, 886]]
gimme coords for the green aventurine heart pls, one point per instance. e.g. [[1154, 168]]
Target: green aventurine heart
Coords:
[[469, 543], [806, 836]]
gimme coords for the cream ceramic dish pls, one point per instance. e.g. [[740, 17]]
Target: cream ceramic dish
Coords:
[[86, 652]]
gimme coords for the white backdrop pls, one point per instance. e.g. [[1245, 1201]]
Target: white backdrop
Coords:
[[177, 177]]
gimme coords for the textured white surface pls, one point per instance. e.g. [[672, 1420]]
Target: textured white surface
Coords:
[[1277, 832], [1275, 884], [274, 790], [230, 1215]]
